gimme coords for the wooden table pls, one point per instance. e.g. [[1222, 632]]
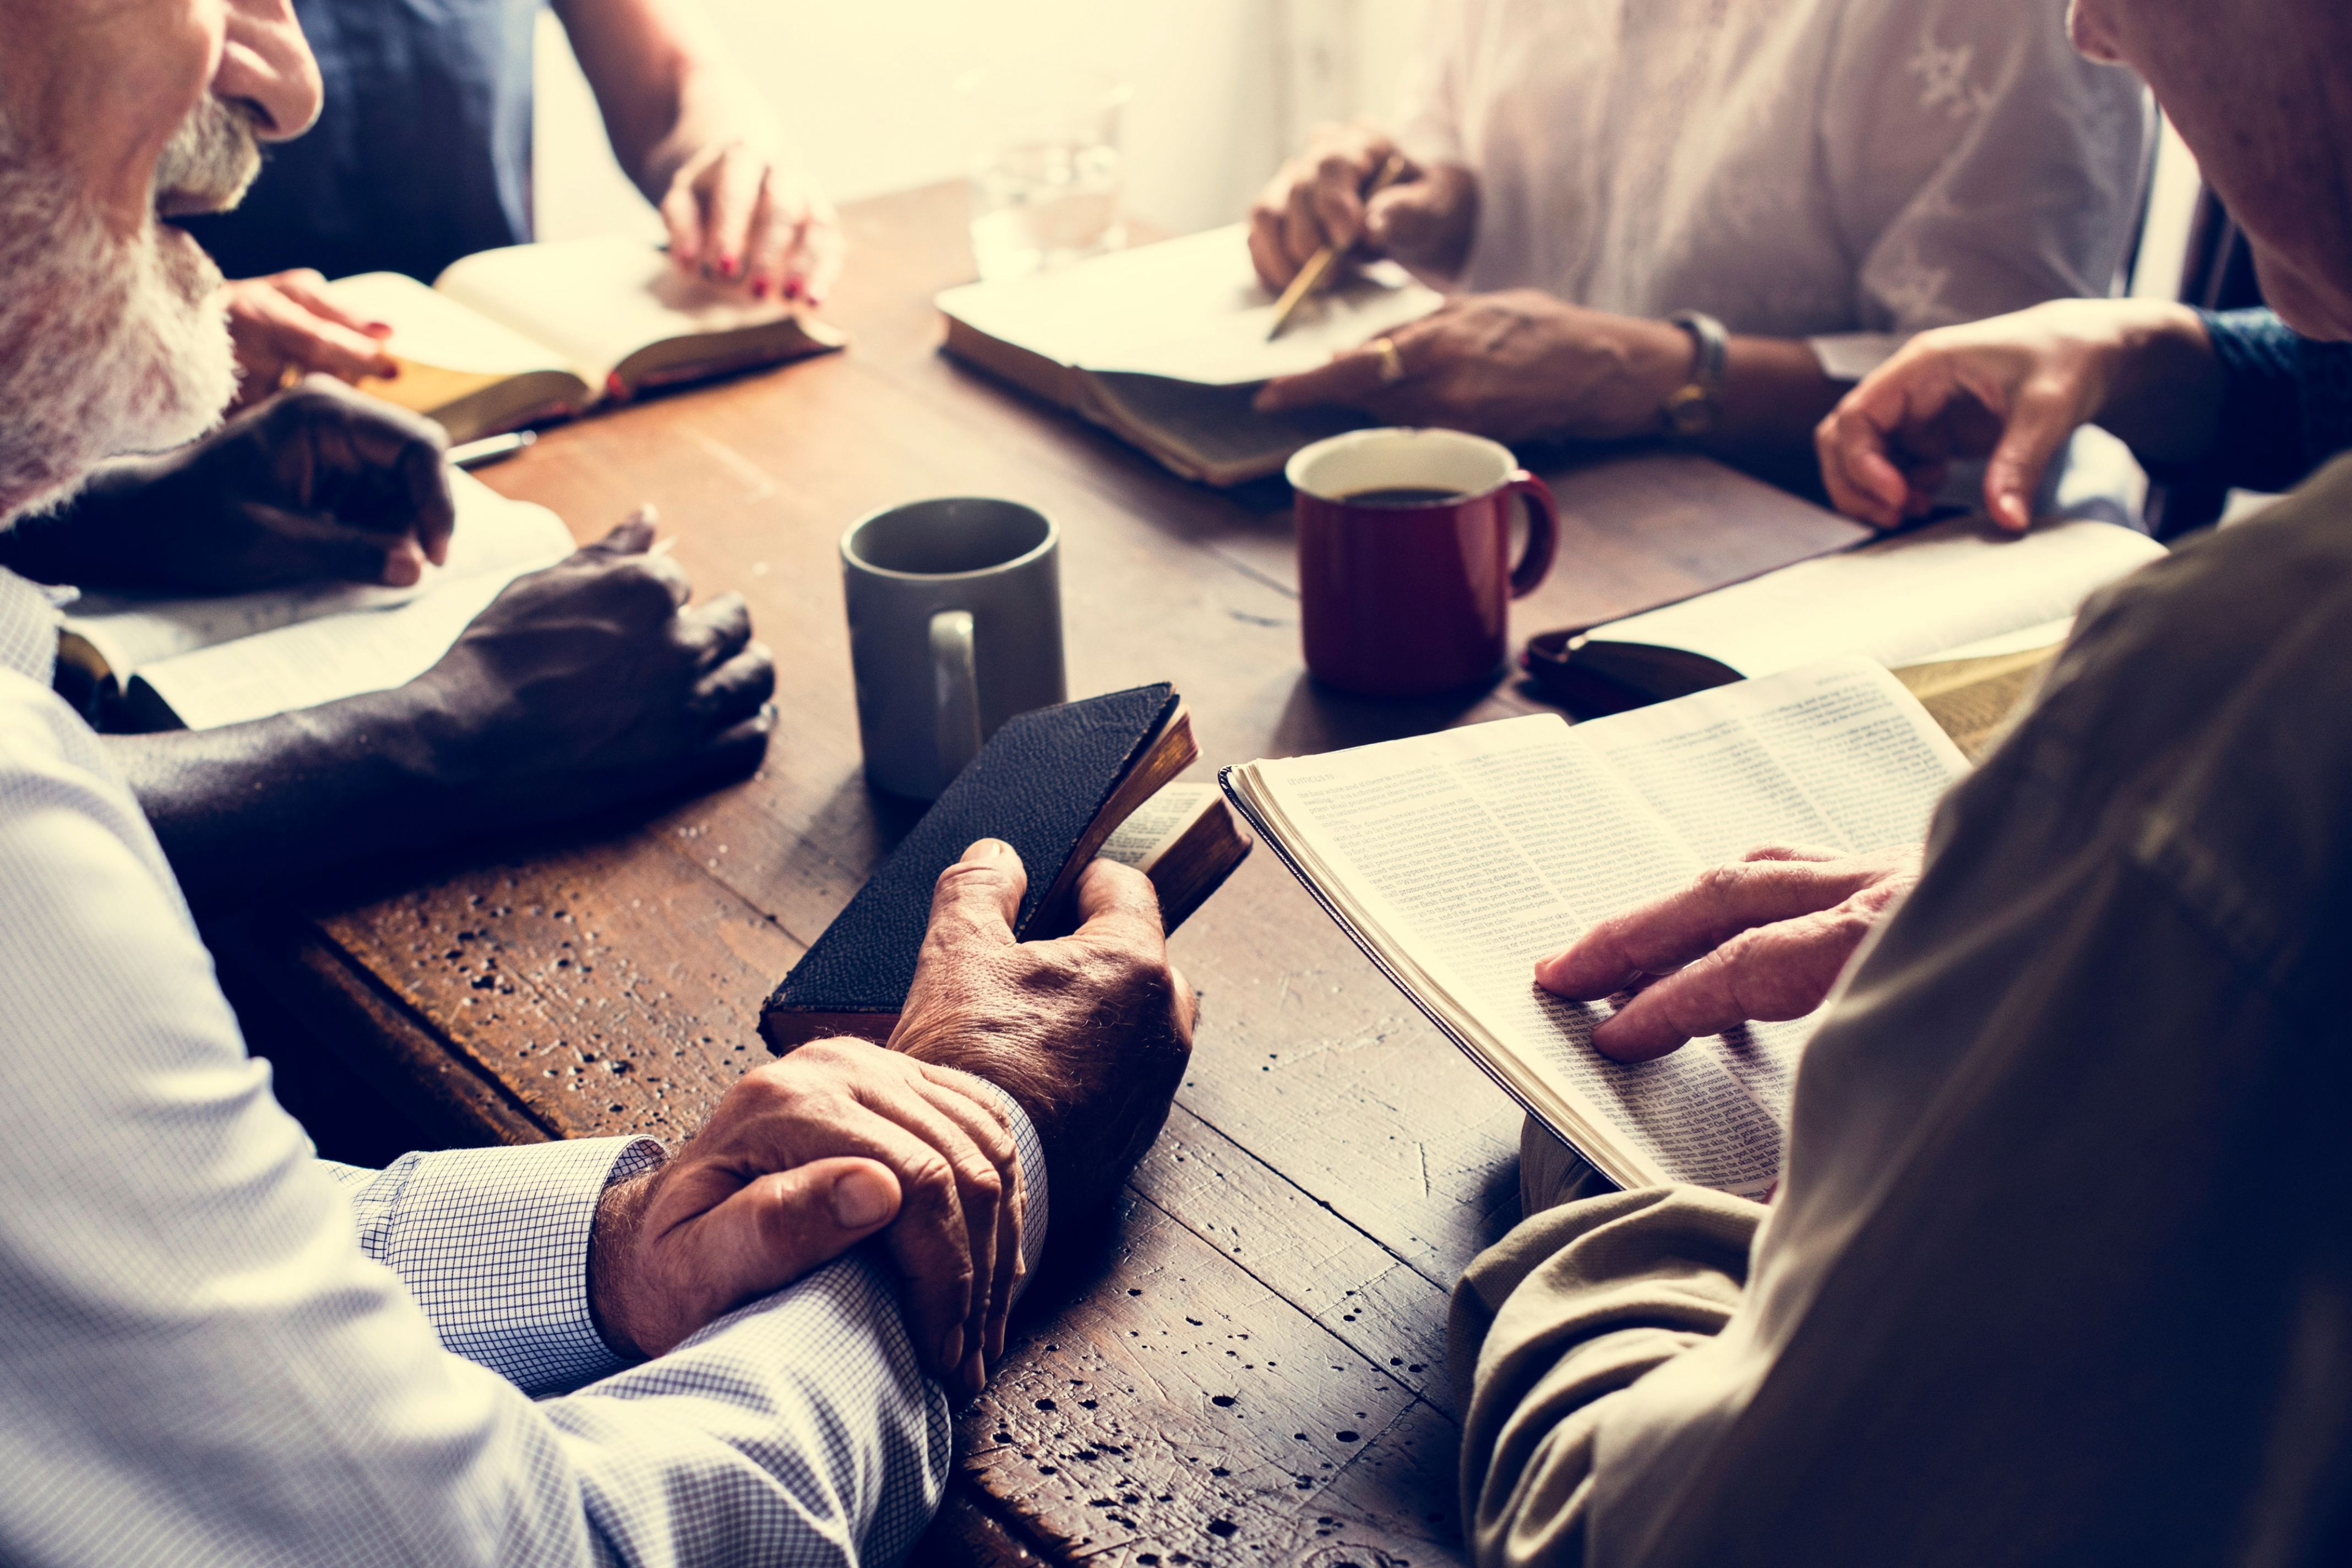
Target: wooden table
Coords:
[[1249, 1363]]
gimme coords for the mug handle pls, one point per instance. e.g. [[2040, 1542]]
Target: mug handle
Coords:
[[1543, 531], [955, 677]]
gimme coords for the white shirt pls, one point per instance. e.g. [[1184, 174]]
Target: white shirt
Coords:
[[216, 1348], [1796, 168]]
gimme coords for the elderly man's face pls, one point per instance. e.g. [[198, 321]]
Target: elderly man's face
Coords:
[[2262, 90], [115, 114]]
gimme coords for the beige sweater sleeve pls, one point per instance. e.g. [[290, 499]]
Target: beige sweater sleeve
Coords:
[[1556, 1318]]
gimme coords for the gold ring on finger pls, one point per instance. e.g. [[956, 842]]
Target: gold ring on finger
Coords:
[[1392, 362]]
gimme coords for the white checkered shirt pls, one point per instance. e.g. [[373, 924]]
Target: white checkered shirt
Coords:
[[216, 1348]]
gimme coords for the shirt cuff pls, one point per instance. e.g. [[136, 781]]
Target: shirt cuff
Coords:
[[1037, 1205], [493, 1245]]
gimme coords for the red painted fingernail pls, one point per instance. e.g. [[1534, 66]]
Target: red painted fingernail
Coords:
[[727, 264]]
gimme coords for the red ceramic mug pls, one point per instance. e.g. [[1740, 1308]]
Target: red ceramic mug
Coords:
[[1404, 575]]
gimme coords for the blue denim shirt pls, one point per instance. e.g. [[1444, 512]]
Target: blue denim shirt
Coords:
[[421, 156], [2287, 408]]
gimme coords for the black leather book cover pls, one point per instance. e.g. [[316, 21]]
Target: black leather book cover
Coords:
[[1038, 785]]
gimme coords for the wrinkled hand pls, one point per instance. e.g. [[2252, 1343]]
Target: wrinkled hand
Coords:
[[1764, 938], [1424, 219], [590, 684], [286, 323], [2012, 389], [320, 482], [804, 1159], [1089, 1033], [1515, 365], [740, 214]]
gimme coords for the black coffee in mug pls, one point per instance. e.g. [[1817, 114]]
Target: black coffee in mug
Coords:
[[1402, 495]]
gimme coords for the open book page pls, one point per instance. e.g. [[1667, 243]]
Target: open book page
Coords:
[[432, 330], [599, 300], [1464, 856], [1899, 600], [1192, 310], [371, 647], [132, 631]]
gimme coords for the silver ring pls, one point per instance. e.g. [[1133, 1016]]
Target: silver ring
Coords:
[[1391, 362]]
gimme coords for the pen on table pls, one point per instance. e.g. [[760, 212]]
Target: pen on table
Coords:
[[490, 449], [1319, 266]]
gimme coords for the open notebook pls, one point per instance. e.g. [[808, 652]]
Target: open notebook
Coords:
[[200, 663], [1456, 860], [1165, 346]]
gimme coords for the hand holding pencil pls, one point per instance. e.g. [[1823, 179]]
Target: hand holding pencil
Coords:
[[1353, 190]]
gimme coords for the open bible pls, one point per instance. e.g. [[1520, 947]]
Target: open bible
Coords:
[[1456, 860], [1164, 346], [526, 332]]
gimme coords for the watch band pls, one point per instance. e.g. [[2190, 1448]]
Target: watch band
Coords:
[[1692, 407]]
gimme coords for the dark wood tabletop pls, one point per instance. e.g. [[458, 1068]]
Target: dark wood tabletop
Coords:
[[1248, 1363]]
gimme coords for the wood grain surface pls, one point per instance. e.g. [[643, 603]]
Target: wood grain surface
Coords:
[[1246, 1363]]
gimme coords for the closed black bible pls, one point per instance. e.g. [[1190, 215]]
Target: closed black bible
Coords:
[[1053, 783]]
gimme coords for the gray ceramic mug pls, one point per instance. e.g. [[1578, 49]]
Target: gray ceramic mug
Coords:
[[955, 625]]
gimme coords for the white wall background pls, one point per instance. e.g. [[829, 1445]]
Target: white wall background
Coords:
[[1222, 90]]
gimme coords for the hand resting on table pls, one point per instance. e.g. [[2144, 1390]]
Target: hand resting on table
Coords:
[[1089, 1034]]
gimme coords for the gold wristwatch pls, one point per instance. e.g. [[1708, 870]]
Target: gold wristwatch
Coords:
[[1691, 409]]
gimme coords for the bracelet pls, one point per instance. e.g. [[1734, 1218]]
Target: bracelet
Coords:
[[1691, 409]]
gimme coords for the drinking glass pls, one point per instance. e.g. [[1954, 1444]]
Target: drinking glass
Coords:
[[1044, 154]]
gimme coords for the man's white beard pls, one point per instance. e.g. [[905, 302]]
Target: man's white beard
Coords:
[[106, 346]]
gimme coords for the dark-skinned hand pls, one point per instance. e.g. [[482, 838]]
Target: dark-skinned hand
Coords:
[[1517, 365], [1762, 939], [318, 482], [590, 683]]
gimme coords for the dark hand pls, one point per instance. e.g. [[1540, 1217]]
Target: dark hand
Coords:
[[318, 482], [1424, 219], [1516, 365], [804, 1159], [1764, 938], [1088, 1033], [590, 683]]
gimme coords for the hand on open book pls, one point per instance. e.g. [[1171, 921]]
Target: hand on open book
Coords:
[[740, 214], [1088, 1033], [319, 482], [2013, 389], [590, 684], [1514, 366], [1422, 219], [285, 325], [1762, 939], [804, 1159]]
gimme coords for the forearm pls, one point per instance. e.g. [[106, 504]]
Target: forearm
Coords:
[[2166, 397], [662, 84], [1567, 1312], [82, 542], [1774, 393], [246, 805]]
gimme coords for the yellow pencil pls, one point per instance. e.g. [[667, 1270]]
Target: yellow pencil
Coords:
[[1319, 266]]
